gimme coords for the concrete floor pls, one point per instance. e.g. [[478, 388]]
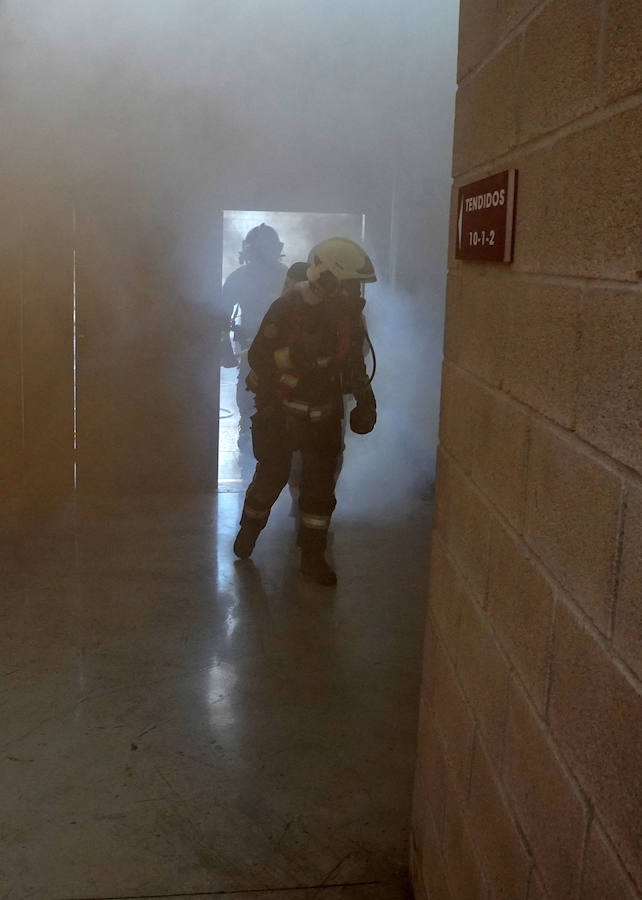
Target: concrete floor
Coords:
[[177, 723]]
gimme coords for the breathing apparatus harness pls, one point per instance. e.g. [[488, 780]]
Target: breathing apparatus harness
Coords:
[[362, 299]]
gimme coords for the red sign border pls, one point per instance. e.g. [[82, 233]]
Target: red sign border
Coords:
[[511, 209]]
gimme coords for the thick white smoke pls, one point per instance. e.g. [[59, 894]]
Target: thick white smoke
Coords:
[[389, 471], [164, 112]]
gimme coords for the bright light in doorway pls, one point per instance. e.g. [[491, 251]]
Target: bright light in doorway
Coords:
[[299, 231]]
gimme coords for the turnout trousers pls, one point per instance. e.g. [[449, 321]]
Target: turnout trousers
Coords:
[[275, 436]]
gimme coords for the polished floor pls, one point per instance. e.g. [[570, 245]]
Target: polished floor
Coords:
[[175, 723]]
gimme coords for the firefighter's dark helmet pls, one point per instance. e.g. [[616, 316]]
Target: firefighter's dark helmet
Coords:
[[262, 241]]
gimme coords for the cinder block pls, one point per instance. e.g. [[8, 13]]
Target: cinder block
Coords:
[[517, 335], [446, 591], [628, 611], [460, 397], [463, 521], [536, 889], [572, 520], [429, 797], [499, 460], [433, 870], [477, 324], [550, 811], [540, 347], [505, 859], [462, 866], [609, 403], [477, 33], [453, 721], [452, 317], [454, 264], [486, 112], [559, 73], [596, 716], [419, 802], [512, 12], [604, 877], [484, 676], [623, 49], [488, 435], [520, 606], [578, 209], [429, 651], [416, 876]]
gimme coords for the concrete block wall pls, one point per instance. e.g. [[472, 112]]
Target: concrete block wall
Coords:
[[529, 766]]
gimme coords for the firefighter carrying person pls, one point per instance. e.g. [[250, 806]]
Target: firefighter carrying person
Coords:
[[247, 291], [307, 354]]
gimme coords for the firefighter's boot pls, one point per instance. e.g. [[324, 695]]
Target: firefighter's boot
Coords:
[[246, 539], [315, 567]]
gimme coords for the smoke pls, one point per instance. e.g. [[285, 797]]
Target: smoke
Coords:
[[388, 472], [193, 92], [151, 116]]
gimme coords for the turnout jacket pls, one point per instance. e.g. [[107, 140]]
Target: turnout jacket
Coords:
[[308, 353]]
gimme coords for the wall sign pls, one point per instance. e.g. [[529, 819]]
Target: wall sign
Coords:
[[486, 217]]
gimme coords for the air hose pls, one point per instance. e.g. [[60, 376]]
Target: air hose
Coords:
[[374, 358]]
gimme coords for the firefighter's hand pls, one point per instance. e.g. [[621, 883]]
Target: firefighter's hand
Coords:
[[363, 418]]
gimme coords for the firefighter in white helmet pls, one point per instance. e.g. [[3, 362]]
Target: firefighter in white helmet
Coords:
[[307, 354]]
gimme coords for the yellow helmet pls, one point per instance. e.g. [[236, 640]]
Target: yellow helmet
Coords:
[[339, 259]]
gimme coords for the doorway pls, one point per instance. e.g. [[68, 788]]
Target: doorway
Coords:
[[299, 232]]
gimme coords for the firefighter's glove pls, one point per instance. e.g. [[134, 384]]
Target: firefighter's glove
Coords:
[[364, 416]]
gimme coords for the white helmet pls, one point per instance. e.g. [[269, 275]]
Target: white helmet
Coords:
[[339, 259]]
